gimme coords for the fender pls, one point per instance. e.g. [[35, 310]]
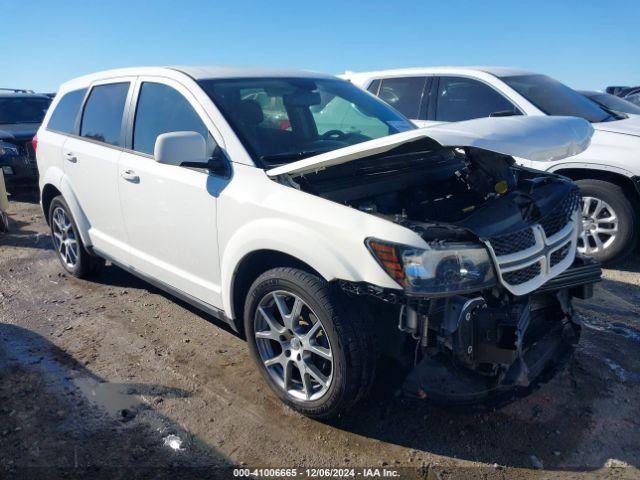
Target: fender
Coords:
[[590, 166], [55, 176], [304, 244]]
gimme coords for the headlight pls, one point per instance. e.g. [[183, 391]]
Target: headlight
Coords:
[[8, 149], [439, 270]]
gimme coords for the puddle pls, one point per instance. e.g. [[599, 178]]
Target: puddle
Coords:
[[617, 328], [620, 372], [174, 442], [113, 397]]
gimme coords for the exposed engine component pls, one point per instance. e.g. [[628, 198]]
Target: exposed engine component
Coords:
[[474, 305]]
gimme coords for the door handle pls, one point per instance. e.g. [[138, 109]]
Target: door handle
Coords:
[[71, 157], [130, 176]]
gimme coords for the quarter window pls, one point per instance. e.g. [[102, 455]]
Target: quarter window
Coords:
[[102, 117], [63, 119], [162, 109], [404, 94], [464, 99], [374, 87]]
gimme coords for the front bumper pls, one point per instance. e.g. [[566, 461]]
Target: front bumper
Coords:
[[495, 352]]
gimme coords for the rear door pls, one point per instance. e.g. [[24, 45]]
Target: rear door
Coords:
[[91, 164], [170, 211]]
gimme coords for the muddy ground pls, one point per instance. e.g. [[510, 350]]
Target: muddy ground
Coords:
[[113, 378]]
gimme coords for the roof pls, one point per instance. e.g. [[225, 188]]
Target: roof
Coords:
[[591, 93], [206, 72], [496, 71], [196, 72], [7, 94]]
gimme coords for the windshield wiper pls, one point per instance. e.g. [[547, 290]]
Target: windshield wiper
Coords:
[[291, 155]]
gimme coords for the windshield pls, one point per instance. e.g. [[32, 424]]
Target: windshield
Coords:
[[281, 120], [614, 103], [555, 98], [23, 110]]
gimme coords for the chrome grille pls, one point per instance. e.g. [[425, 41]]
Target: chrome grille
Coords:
[[526, 259], [560, 254], [561, 214], [518, 277], [513, 242]]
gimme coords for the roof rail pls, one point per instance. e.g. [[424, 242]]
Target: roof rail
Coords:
[[17, 90]]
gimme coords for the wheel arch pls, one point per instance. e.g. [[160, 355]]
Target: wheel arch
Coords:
[[49, 192], [55, 183], [613, 176], [250, 267]]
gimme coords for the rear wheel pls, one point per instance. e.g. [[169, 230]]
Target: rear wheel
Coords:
[[309, 345], [67, 242], [609, 223]]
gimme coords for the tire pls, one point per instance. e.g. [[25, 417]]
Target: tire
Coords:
[[79, 264], [611, 197], [342, 332]]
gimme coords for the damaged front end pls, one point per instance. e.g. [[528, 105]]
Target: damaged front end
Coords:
[[486, 305], [476, 348]]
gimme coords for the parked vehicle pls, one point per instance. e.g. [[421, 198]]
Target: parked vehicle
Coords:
[[608, 173], [21, 112], [625, 92], [611, 102], [632, 96], [325, 241]]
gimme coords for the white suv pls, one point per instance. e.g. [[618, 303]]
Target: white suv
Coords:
[[324, 226], [608, 172]]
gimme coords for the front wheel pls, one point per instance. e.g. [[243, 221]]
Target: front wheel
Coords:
[[310, 346], [609, 223]]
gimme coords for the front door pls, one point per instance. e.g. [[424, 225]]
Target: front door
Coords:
[[170, 211]]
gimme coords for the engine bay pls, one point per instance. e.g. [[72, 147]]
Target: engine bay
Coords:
[[443, 193]]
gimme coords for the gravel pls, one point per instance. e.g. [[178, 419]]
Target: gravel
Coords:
[[114, 373]]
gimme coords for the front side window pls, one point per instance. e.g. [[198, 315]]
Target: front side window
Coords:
[[103, 112], [20, 109], [63, 118], [555, 98], [162, 109], [281, 120], [461, 98], [404, 94]]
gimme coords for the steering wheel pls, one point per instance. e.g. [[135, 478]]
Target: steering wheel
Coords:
[[333, 135]]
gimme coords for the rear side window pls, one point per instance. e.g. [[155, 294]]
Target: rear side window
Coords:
[[404, 94], [162, 109], [103, 112], [462, 98], [63, 119]]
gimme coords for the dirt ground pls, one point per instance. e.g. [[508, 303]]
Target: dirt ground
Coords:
[[112, 378]]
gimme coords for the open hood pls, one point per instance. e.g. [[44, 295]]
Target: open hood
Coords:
[[538, 138]]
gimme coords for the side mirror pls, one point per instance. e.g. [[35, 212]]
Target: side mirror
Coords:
[[177, 148]]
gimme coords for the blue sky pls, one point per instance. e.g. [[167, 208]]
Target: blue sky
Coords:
[[586, 44]]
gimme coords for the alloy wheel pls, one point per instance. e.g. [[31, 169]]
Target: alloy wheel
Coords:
[[64, 237], [293, 346], [599, 226]]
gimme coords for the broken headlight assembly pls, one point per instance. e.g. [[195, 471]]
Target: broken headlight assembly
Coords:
[[441, 269]]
